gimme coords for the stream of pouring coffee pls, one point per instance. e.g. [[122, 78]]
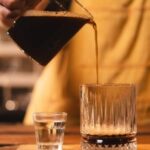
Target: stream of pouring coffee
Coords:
[[93, 23], [96, 52]]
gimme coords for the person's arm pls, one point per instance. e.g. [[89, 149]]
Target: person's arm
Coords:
[[11, 9]]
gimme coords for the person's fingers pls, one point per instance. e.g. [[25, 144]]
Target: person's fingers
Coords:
[[11, 9], [19, 4], [8, 3], [4, 13], [13, 4], [14, 14]]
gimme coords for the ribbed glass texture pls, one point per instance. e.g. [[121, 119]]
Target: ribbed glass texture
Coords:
[[108, 110]]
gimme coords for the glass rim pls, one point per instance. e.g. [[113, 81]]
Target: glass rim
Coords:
[[108, 85], [49, 114]]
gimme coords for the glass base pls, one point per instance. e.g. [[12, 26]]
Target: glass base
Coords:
[[109, 139], [127, 146], [115, 142], [49, 146]]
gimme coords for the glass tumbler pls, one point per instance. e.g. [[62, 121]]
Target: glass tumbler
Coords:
[[108, 114], [49, 130]]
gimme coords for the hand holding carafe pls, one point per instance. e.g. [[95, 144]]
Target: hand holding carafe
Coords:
[[41, 33]]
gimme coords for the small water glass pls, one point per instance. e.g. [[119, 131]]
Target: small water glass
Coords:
[[49, 130]]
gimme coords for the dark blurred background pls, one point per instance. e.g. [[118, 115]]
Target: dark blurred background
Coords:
[[18, 74]]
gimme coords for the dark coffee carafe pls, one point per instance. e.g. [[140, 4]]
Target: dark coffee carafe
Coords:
[[42, 34]]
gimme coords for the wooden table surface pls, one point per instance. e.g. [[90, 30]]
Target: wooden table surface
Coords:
[[20, 137]]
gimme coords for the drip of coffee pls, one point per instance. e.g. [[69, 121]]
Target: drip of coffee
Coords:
[[42, 34]]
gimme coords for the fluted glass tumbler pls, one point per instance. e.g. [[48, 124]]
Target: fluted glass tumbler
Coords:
[[108, 114]]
